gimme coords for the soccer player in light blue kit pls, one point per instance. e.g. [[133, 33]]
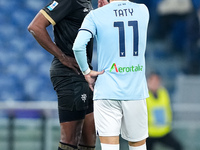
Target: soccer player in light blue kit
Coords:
[[120, 90]]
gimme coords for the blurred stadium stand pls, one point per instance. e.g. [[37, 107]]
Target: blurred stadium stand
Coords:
[[186, 104], [25, 82], [24, 64]]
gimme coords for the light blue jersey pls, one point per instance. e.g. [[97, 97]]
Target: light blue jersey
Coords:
[[121, 30]]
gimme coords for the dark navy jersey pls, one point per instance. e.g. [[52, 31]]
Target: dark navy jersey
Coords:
[[66, 16]]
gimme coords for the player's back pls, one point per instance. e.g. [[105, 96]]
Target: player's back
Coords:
[[121, 41]]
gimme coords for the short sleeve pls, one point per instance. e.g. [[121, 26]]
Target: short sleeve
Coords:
[[57, 10], [89, 24]]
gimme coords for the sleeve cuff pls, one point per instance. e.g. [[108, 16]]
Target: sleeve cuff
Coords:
[[86, 71], [48, 17]]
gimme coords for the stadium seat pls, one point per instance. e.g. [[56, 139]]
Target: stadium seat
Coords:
[[11, 88], [36, 85]]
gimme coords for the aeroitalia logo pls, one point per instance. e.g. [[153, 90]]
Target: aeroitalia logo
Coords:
[[114, 68]]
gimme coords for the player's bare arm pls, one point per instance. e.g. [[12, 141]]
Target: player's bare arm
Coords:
[[102, 3], [91, 78], [38, 29]]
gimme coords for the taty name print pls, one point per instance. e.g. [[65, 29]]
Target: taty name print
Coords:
[[123, 12]]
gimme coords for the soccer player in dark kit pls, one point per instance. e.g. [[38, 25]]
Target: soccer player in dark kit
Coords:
[[75, 105]]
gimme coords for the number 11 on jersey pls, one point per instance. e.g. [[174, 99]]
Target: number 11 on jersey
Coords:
[[134, 25]]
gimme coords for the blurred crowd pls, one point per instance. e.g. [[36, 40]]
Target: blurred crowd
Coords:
[[177, 22]]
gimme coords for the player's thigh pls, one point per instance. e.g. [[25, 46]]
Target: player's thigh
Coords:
[[77, 125], [88, 137], [74, 95], [134, 121], [73, 115], [107, 114]]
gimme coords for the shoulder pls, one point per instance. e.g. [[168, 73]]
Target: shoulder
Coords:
[[139, 6], [144, 10], [143, 7], [93, 13], [64, 2]]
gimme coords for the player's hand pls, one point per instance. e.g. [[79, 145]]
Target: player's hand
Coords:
[[91, 78], [102, 3], [70, 62]]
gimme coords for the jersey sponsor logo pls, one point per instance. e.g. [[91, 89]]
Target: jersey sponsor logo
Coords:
[[52, 6], [114, 66], [132, 68]]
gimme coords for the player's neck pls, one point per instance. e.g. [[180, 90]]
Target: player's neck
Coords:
[[117, 0]]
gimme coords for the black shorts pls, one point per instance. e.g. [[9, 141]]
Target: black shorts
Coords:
[[74, 95]]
